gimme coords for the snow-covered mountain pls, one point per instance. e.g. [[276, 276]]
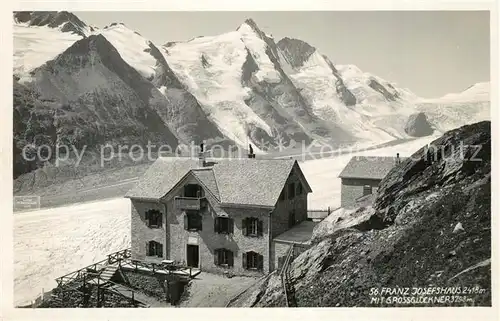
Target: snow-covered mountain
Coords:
[[239, 87]]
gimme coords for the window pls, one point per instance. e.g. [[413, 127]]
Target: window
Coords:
[[252, 226], [154, 249], [192, 190], [193, 221], [291, 191], [223, 225], [154, 218], [367, 190], [253, 261], [223, 257]]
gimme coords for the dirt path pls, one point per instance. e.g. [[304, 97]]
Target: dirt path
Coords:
[[212, 290], [148, 300]]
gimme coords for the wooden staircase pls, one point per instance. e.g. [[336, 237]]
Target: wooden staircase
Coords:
[[108, 272]]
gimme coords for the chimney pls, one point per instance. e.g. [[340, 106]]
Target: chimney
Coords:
[[250, 151], [398, 160], [201, 156]]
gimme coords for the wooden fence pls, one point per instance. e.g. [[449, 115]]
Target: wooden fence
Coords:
[[320, 214], [94, 268]]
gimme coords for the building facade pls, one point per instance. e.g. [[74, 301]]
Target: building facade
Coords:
[[361, 177], [219, 216]]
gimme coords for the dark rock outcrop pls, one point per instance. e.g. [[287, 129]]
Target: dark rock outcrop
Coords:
[[375, 85], [344, 94], [183, 112], [285, 99], [86, 97], [415, 242], [53, 19], [418, 125], [296, 51]]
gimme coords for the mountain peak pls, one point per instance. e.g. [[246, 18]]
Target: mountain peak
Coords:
[[66, 21], [295, 51], [477, 92], [250, 23], [94, 43]]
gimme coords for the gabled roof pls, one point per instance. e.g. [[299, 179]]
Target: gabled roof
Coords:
[[233, 182], [207, 178], [369, 167], [251, 181], [161, 176]]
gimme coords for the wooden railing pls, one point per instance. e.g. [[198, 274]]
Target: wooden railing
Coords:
[[320, 214], [94, 268], [155, 268], [288, 287], [104, 285], [187, 203]]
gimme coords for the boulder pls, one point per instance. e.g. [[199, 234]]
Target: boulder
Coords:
[[418, 125]]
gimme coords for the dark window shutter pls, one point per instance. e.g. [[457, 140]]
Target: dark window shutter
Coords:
[[151, 248], [230, 258], [200, 222], [186, 225], [216, 256], [160, 219], [244, 260], [230, 225], [244, 227], [260, 262], [147, 248], [216, 225], [260, 227], [159, 250]]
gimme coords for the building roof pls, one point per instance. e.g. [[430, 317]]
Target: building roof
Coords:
[[161, 176], [207, 178], [233, 182], [299, 234], [368, 167]]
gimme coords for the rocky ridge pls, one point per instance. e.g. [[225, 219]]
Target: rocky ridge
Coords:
[[429, 227]]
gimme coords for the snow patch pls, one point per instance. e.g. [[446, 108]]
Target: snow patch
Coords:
[[218, 87], [257, 48], [52, 242], [34, 46], [131, 47]]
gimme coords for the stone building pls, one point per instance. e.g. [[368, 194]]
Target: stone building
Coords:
[[219, 215], [361, 177]]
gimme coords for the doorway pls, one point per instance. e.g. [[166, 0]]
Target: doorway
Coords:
[[192, 255]]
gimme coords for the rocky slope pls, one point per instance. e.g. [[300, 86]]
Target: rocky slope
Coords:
[[237, 88], [429, 227]]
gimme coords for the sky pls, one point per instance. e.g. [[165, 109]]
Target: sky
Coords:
[[432, 53]]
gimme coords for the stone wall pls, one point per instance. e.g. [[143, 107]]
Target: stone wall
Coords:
[[208, 240], [141, 233], [151, 285]]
